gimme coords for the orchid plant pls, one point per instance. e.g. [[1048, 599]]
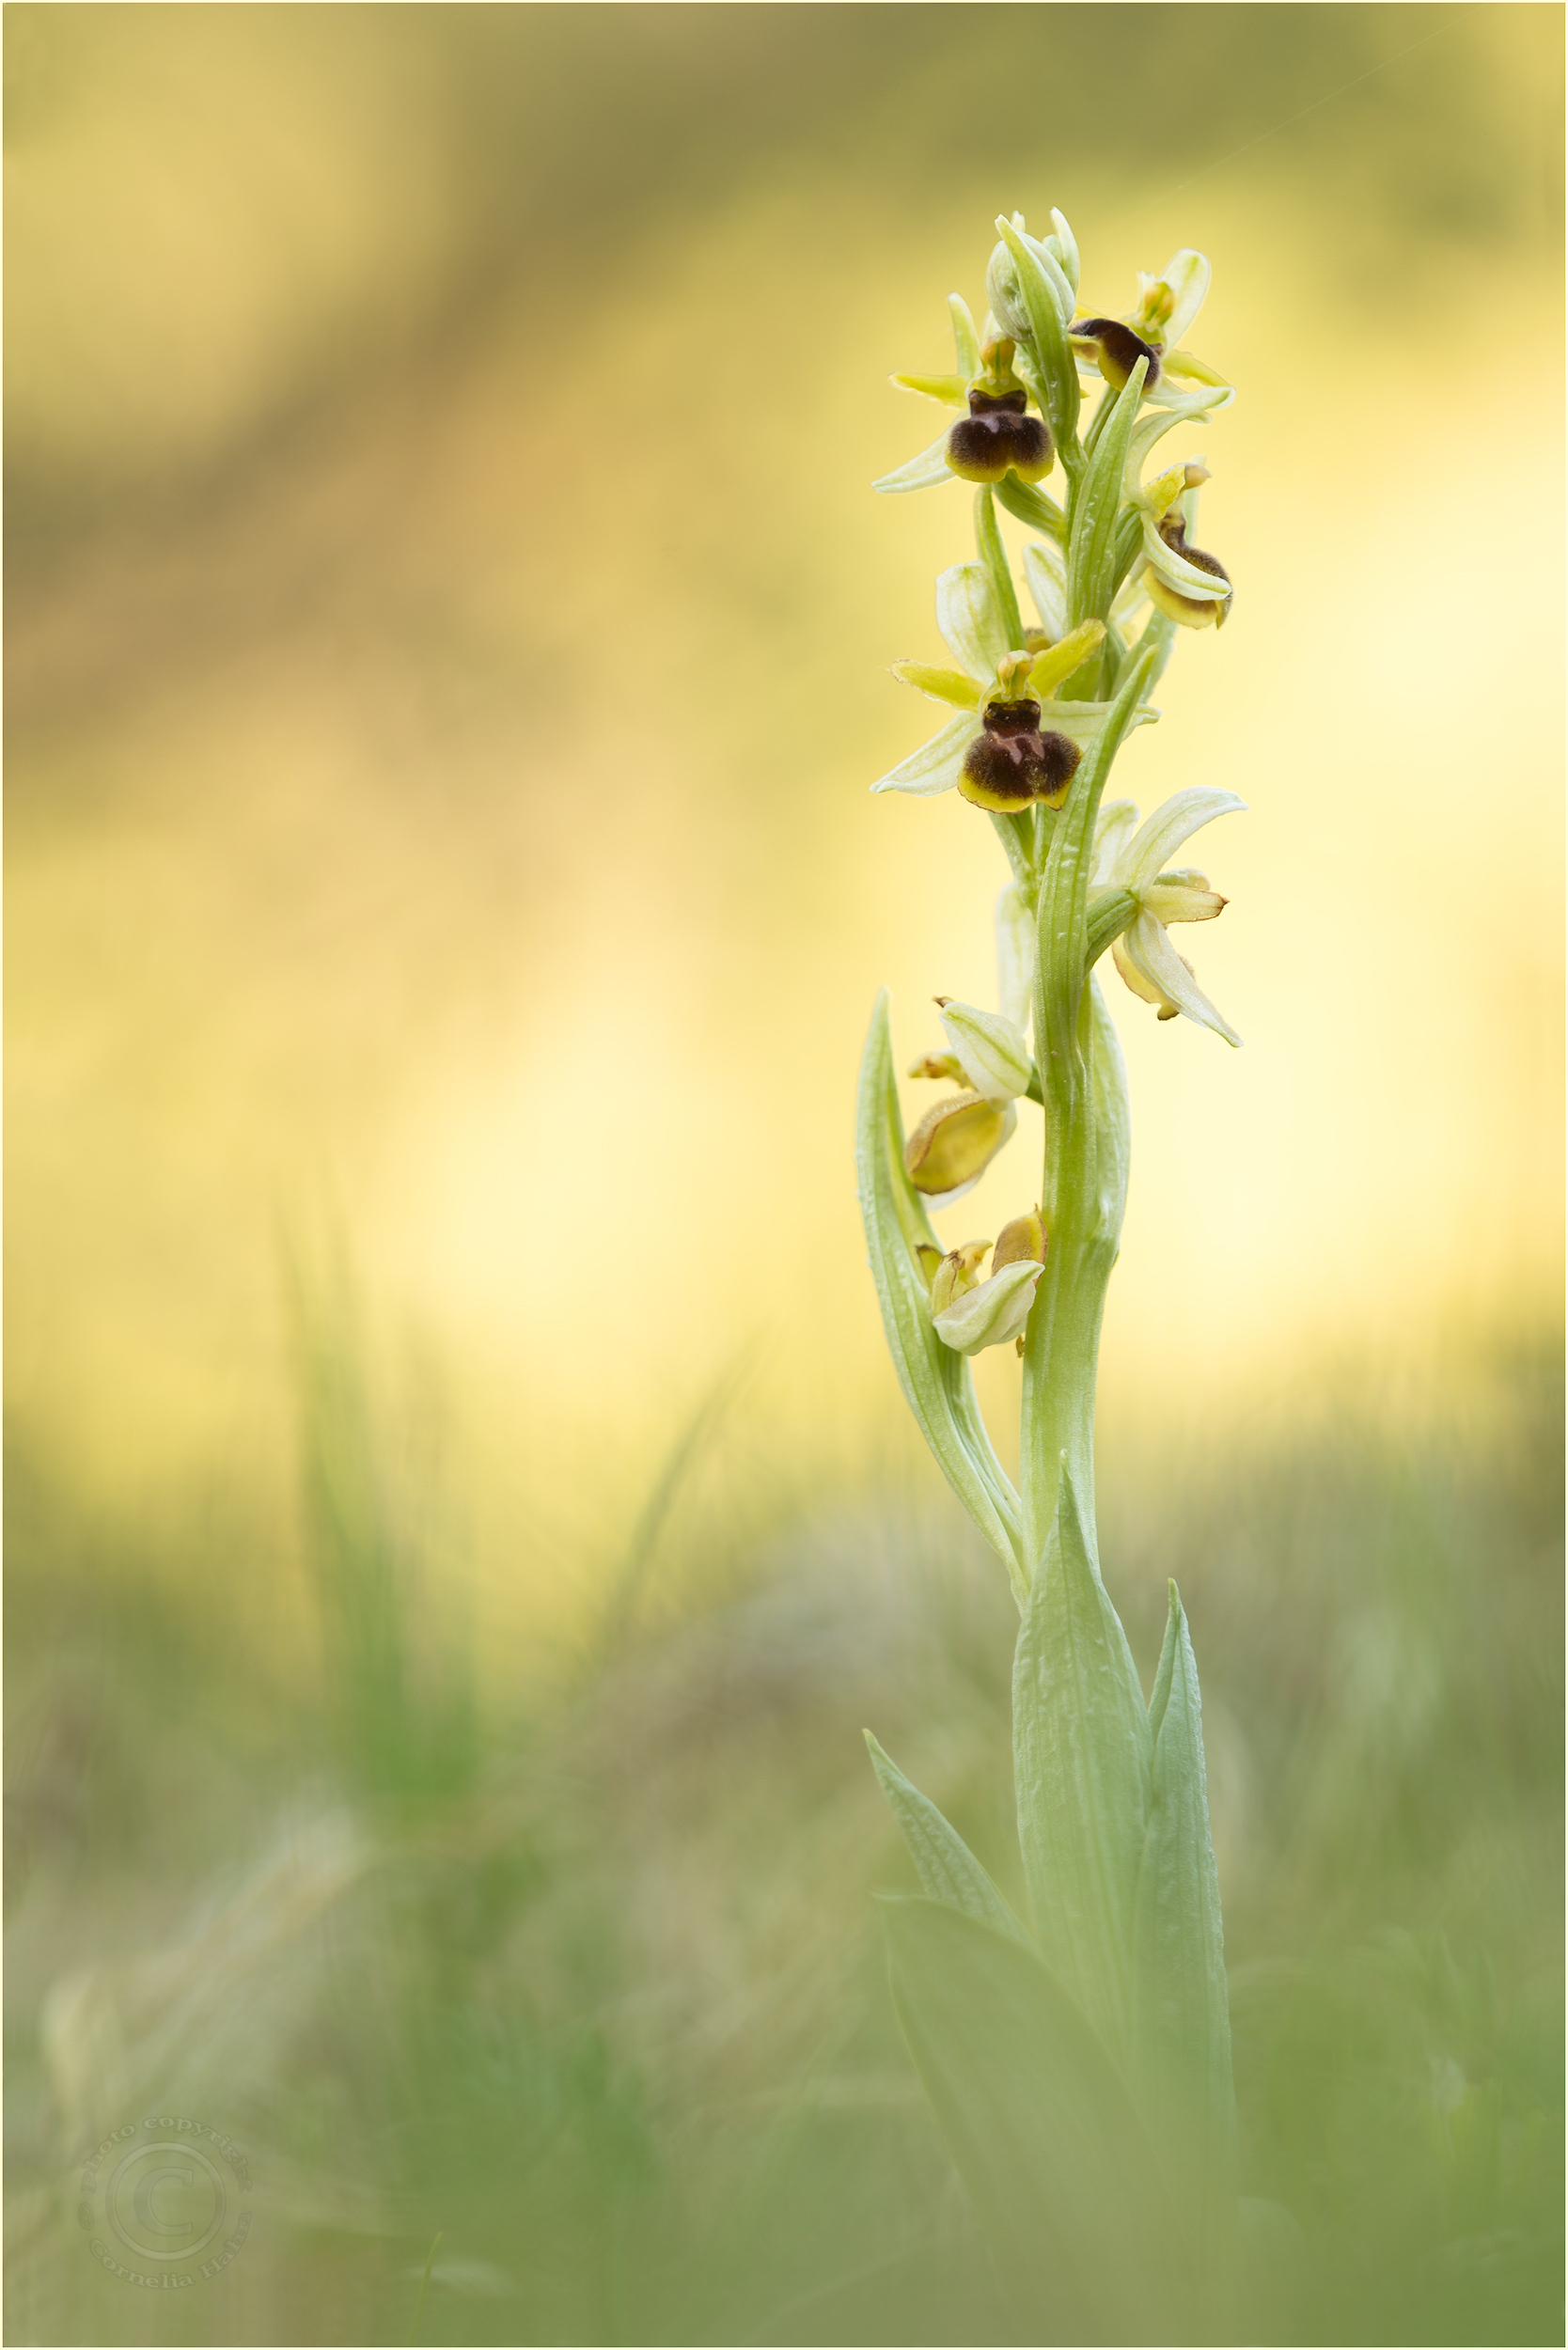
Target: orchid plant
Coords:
[[1078, 2059]]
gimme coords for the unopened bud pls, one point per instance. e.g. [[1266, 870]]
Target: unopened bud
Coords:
[[1022, 1242], [956, 1141], [927, 1256]]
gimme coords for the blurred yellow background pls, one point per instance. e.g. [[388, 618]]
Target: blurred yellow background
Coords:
[[450, 630]]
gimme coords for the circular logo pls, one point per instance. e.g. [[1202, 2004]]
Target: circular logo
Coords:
[[164, 2201]]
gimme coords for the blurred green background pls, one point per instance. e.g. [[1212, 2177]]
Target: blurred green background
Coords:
[[460, 1512]]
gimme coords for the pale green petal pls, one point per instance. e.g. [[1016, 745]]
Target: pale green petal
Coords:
[[922, 473], [1180, 900], [970, 615], [965, 341], [996, 1057], [992, 1315], [934, 767], [1045, 569], [1152, 954], [1174, 821], [1181, 373]]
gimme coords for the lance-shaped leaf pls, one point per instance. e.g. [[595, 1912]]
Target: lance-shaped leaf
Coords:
[[936, 1382], [988, 538], [1040, 2126], [1091, 548], [1048, 303], [948, 1869], [1080, 1759], [1032, 507], [1183, 2028]]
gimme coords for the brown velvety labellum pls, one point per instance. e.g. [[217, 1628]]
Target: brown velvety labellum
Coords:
[[1012, 763], [998, 437], [1119, 351]]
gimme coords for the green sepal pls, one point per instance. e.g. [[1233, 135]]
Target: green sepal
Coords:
[[922, 473], [1048, 300], [1081, 1761], [1031, 506], [936, 1382], [1182, 2030], [1157, 637], [993, 553], [1091, 547], [966, 348], [947, 1868], [1041, 2127], [1108, 917]]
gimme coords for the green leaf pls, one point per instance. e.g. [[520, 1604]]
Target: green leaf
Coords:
[[988, 538], [948, 1869], [1048, 300], [936, 1382], [1184, 2015], [1040, 2126], [1157, 637], [1028, 505], [1091, 548], [1081, 1759]]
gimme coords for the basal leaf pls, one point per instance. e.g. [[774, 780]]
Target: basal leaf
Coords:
[[935, 1380], [1040, 2124], [1080, 1748], [948, 1869]]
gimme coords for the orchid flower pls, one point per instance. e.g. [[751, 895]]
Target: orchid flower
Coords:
[[1011, 744], [1131, 858]]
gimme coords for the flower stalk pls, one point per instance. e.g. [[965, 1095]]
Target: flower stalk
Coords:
[[1090, 2040]]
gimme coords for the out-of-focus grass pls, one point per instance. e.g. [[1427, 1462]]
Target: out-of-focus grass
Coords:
[[450, 1783], [592, 1989]]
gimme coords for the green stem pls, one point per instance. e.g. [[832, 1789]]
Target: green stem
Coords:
[[1083, 1183]]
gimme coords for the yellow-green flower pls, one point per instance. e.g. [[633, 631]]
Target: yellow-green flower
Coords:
[[1012, 743], [1134, 857]]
